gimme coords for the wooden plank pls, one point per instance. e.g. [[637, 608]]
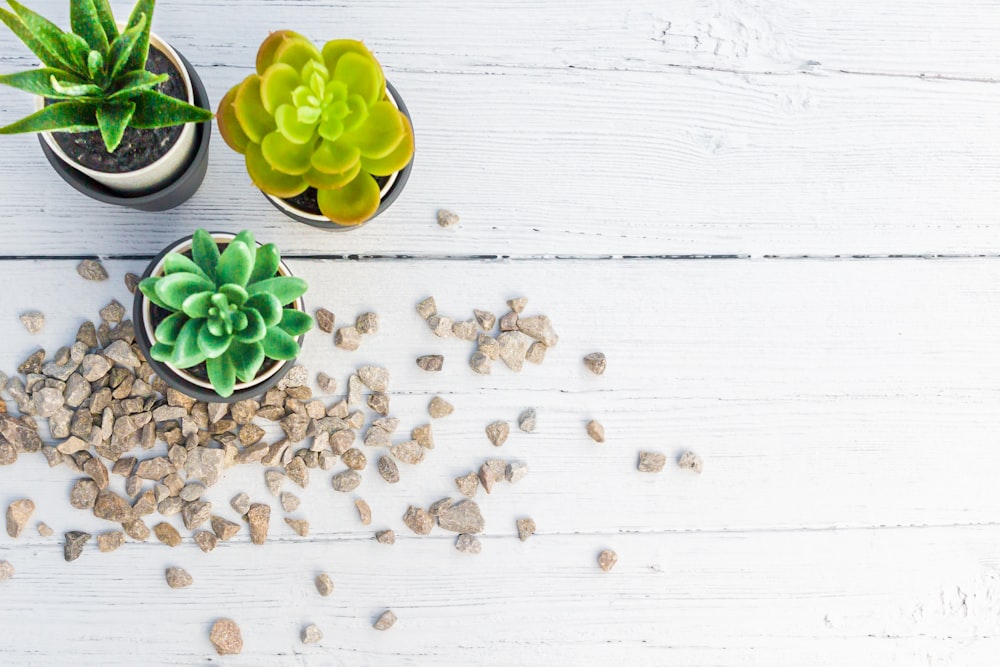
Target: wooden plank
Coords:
[[542, 159]]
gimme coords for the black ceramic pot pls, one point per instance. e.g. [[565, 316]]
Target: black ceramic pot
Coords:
[[173, 193], [391, 190], [144, 317]]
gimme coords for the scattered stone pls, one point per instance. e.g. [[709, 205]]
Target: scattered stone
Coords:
[[355, 389], [485, 319], [224, 529], [167, 534], [205, 464], [518, 305], [468, 544], [87, 335], [192, 491], [514, 349], [289, 501], [515, 471], [441, 326], [526, 420], [446, 218], [497, 432], [387, 469], [113, 312], [325, 320], [347, 338], [97, 471], [480, 363], [375, 378], [94, 367], [346, 480], [540, 328], [385, 537], [595, 431], [131, 282], [33, 321], [75, 541], [326, 384], [536, 353], [91, 269], [387, 424], [354, 459], [324, 584], [379, 402], [259, 517], [44, 530], [596, 362], [33, 364], [120, 353], [364, 511], [240, 503], [205, 540], [112, 507], [110, 541], [409, 452], [300, 526], [341, 441], [509, 322], [431, 362], [367, 323], [468, 485], [297, 376], [418, 520], [489, 346], [311, 634], [83, 494], [465, 330], [463, 517], [651, 461], [6, 570], [137, 530], [427, 308], [525, 528], [439, 407], [385, 621], [178, 577], [690, 461], [607, 559], [196, 514], [226, 637], [423, 436], [18, 513], [439, 506], [377, 437], [298, 472]]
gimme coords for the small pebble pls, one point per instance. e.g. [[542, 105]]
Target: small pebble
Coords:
[[518, 305], [326, 384], [75, 541], [525, 528], [690, 461], [515, 471], [91, 269], [468, 484], [167, 534], [497, 433], [325, 320], [595, 431], [178, 577], [468, 544], [418, 520], [259, 517], [347, 338], [300, 526], [480, 363], [33, 321], [367, 323], [226, 637], [388, 469], [431, 362], [485, 319], [385, 621], [110, 541], [113, 312], [427, 308], [526, 420], [311, 634], [596, 362], [44, 530], [240, 503], [289, 501], [6, 570], [439, 407], [446, 218], [131, 282], [385, 537], [324, 584], [18, 513], [651, 461], [364, 511], [607, 559]]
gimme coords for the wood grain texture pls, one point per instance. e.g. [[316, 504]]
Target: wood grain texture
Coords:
[[845, 411], [606, 130]]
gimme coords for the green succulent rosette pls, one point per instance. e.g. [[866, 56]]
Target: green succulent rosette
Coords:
[[228, 309], [312, 118]]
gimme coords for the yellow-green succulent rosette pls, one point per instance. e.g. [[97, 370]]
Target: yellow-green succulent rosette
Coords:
[[317, 118]]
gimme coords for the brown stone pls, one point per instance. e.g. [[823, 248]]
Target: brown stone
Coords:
[[18, 513], [226, 637], [607, 559], [364, 511], [385, 537], [596, 362], [463, 517], [497, 432], [595, 430], [110, 541], [385, 621], [92, 269], [83, 494], [427, 308], [431, 362], [167, 534], [112, 507], [347, 338], [388, 470], [206, 540], [259, 517], [346, 480], [468, 544], [525, 528], [439, 407], [468, 484], [324, 584], [418, 520], [300, 526], [178, 577], [325, 320], [354, 459], [651, 461], [690, 461], [75, 541]]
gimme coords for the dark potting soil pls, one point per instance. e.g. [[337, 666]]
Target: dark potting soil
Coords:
[[307, 203], [139, 148]]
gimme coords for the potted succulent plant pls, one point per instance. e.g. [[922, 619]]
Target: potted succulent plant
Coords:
[[219, 316], [326, 138], [118, 108]]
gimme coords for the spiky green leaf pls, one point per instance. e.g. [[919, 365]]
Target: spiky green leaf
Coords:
[[142, 16], [71, 116], [154, 109], [267, 305], [222, 375], [36, 46], [69, 89], [168, 330], [39, 81], [95, 67], [265, 263], [121, 50], [278, 344], [186, 351], [175, 262], [235, 264], [295, 322], [247, 359], [205, 253], [176, 287], [113, 119], [49, 35], [78, 50], [134, 82], [86, 23], [285, 288], [107, 19]]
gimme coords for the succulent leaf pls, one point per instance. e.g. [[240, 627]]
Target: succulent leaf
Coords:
[[37, 46], [269, 179], [324, 181], [284, 288], [154, 109], [205, 253], [361, 75], [222, 375], [250, 111], [134, 82], [236, 294], [353, 203], [380, 133], [121, 49], [197, 305], [267, 305], [112, 119], [141, 17], [48, 34], [106, 18], [162, 352], [276, 86], [265, 54], [295, 322], [177, 263], [86, 23], [296, 52], [229, 127], [266, 263], [70, 116], [148, 287], [176, 287], [394, 161], [39, 81], [247, 359], [186, 352], [333, 157], [212, 345], [286, 156], [279, 344], [254, 329], [170, 328], [235, 264]]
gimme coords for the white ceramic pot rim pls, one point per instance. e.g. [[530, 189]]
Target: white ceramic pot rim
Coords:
[[281, 203], [147, 319], [164, 168]]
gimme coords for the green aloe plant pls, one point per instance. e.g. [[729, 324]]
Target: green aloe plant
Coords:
[[95, 75], [227, 309], [317, 118]]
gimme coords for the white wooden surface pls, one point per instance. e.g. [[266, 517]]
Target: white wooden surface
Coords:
[[846, 408]]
